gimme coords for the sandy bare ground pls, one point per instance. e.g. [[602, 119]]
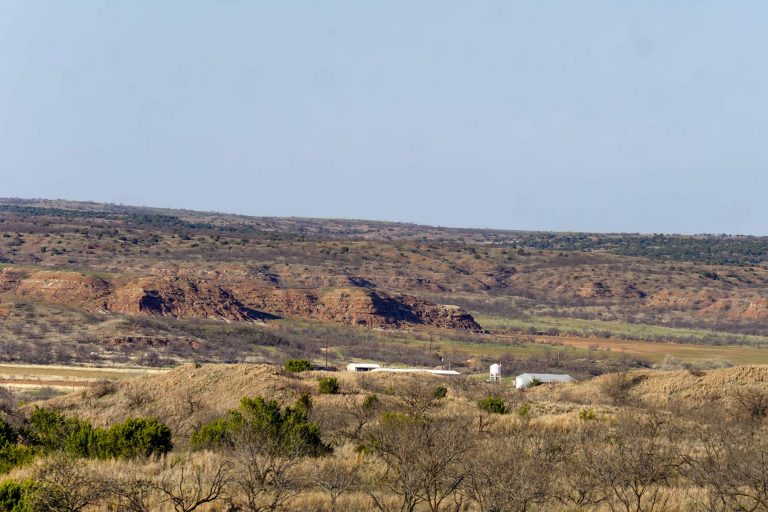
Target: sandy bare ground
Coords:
[[31, 376]]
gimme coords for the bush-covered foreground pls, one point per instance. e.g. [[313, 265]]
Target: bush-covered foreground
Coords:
[[408, 444]]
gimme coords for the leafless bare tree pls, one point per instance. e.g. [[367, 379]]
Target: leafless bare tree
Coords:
[[423, 458], [66, 485], [636, 461], [731, 462], [335, 477], [515, 471], [264, 470], [188, 483]]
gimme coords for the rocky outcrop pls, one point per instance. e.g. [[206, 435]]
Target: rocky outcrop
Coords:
[[360, 306], [181, 298], [679, 300], [753, 308], [630, 291], [63, 288], [153, 341], [595, 290], [10, 279], [711, 303]]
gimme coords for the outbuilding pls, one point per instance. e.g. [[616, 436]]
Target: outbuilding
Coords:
[[447, 373], [524, 380], [362, 367]]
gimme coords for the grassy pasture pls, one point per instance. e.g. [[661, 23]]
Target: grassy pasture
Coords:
[[603, 329], [658, 351]]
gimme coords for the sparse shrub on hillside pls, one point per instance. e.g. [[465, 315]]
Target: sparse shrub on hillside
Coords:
[[618, 387], [298, 365], [524, 410], [305, 402], [752, 404], [493, 405], [636, 463], [441, 392], [370, 402], [328, 386]]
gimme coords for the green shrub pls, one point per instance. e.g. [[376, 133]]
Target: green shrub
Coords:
[[440, 392], [524, 410], [298, 365], [16, 496], [328, 386], [287, 430], [492, 404], [304, 401], [370, 402], [587, 415], [535, 381], [14, 455], [50, 429], [7, 434], [214, 434], [135, 437]]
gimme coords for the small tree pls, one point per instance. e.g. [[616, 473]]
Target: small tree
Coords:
[[493, 405], [66, 485], [328, 386], [617, 387], [188, 484], [298, 365], [335, 476]]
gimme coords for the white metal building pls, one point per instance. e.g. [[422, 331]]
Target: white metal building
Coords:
[[418, 370], [525, 379], [362, 367]]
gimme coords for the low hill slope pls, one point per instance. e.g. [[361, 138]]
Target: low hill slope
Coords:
[[663, 387], [188, 396], [184, 397]]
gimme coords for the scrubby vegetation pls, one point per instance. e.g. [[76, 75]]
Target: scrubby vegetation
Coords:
[[397, 442]]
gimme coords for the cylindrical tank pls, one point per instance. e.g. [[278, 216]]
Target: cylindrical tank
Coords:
[[495, 370]]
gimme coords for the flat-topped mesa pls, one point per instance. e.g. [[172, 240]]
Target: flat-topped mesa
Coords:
[[178, 297], [360, 306]]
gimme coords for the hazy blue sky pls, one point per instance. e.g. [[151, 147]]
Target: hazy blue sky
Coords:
[[562, 115]]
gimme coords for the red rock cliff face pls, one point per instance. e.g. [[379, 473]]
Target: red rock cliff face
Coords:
[[359, 306], [180, 298]]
